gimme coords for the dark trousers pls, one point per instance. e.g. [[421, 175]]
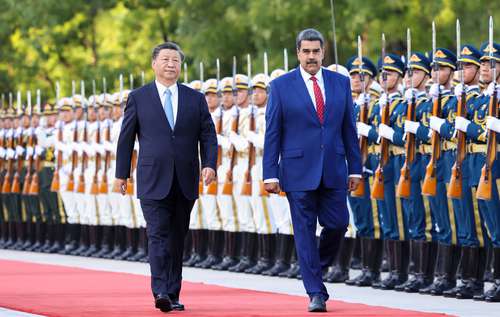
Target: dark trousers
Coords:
[[167, 222], [329, 208]]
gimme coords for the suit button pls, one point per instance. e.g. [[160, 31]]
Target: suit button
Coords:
[[322, 146], [173, 136]]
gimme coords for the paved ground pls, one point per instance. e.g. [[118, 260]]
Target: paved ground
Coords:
[[342, 292]]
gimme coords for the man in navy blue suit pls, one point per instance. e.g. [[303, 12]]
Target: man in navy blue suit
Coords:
[[311, 152], [174, 129]]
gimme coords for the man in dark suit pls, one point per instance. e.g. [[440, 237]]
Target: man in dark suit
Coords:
[[310, 133], [170, 121]]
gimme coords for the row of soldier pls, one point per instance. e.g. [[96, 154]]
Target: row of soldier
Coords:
[[236, 225]]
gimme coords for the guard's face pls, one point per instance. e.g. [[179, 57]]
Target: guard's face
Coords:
[[117, 112], [25, 121], [241, 97], [419, 79], [393, 79], [167, 65], [471, 73], [92, 114], [51, 119], [212, 100], [259, 96], [310, 55], [79, 113], [35, 121], [227, 99], [7, 123], [356, 84], [67, 116], [486, 74], [445, 74]]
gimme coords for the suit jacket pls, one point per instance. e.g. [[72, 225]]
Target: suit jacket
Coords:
[[163, 151], [299, 150]]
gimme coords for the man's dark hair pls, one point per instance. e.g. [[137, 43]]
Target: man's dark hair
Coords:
[[309, 35], [167, 46]]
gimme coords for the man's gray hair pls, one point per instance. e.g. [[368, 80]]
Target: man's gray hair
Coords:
[[167, 46], [309, 35]]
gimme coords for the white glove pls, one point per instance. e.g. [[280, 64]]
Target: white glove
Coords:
[[223, 142], [251, 137], [2, 133], [493, 124], [363, 99], [435, 123], [78, 147], [217, 112], [411, 127], [19, 150], [108, 146], [234, 111], [490, 89], [459, 89], [386, 132], [89, 149], [38, 151], [409, 93], [9, 133], [60, 124], [29, 151], [461, 124], [239, 143], [18, 132], [2, 152], [434, 90], [383, 100], [10, 154], [363, 128], [99, 148]]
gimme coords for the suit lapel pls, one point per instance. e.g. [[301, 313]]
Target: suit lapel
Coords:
[[156, 103], [301, 89], [329, 91], [181, 99]]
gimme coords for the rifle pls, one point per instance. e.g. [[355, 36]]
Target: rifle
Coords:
[[455, 188], [404, 184], [363, 117], [212, 187], [70, 187], [55, 185], [103, 188], [378, 181], [246, 190], [81, 178], [30, 144], [94, 189], [34, 187], [16, 184], [228, 185], [200, 182], [6, 185], [2, 140], [484, 190], [430, 181]]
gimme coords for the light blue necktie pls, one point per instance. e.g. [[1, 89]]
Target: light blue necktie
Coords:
[[167, 106]]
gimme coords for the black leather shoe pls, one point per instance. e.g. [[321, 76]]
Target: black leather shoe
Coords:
[[317, 305], [176, 305], [163, 303]]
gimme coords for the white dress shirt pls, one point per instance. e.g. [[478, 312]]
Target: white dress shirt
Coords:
[[310, 84], [174, 90]]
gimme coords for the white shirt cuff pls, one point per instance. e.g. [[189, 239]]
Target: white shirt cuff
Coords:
[[355, 175], [271, 180]]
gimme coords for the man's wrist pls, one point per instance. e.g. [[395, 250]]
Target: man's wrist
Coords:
[[355, 175], [271, 180]]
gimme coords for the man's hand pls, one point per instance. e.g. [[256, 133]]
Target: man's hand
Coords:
[[121, 184], [353, 183], [273, 188], [208, 175]]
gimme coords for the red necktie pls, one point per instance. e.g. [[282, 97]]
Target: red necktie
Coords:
[[318, 96]]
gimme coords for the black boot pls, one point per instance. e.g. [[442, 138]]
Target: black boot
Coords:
[[448, 257], [401, 260], [371, 256], [229, 259], [49, 237], [194, 243], [131, 237], [4, 233], [415, 254], [425, 266], [21, 236], [40, 233], [390, 250], [141, 247], [264, 263], [355, 262], [188, 246], [473, 267], [84, 241], [385, 267], [73, 232], [59, 238], [215, 245], [11, 227], [93, 246], [294, 270], [30, 232], [340, 271], [119, 237], [106, 242], [493, 294], [247, 258], [285, 249]]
